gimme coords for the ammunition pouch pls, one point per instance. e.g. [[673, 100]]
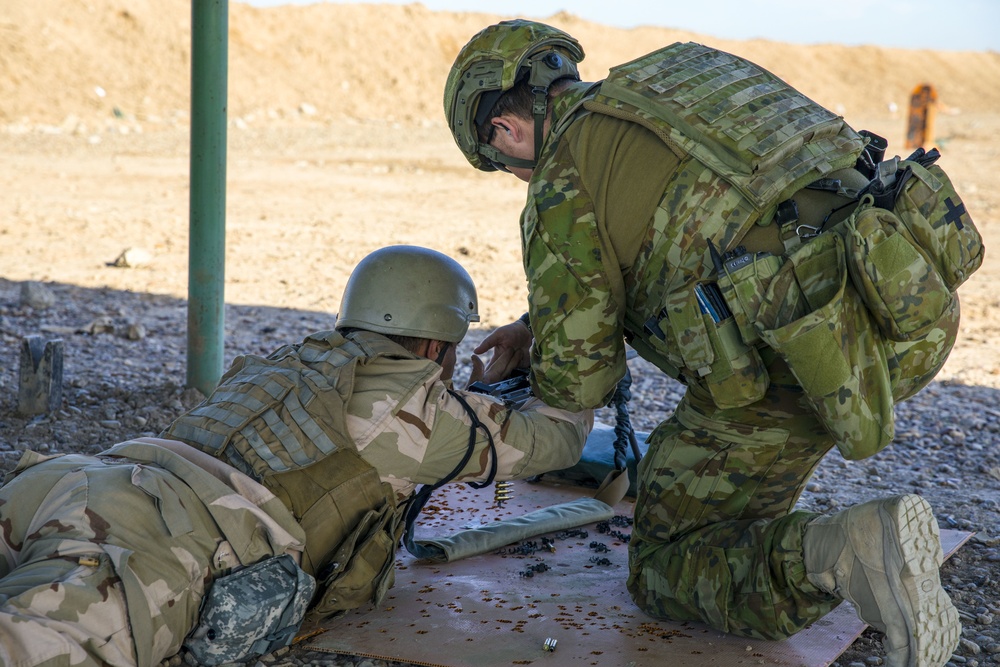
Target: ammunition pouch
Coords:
[[737, 375], [361, 570], [814, 320], [705, 343]]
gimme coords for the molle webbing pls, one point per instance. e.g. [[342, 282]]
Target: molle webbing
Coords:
[[739, 120], [746, 141], [275, 414]]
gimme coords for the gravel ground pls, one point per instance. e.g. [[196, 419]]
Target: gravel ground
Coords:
[[124, 369]]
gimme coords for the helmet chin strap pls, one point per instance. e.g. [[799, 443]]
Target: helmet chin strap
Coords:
[[545, 68], [538, 110], [502, 160], [442, 354]]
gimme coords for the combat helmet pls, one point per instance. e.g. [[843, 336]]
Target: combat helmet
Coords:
[[490, 64], [410, 291]]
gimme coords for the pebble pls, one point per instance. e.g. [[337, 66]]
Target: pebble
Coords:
[[969, 646], [37, 295]]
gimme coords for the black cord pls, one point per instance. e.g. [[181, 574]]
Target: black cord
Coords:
[[423, 494]]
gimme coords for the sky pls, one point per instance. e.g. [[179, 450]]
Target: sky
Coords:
[[972, 25]]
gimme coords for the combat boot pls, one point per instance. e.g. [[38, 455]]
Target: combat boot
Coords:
[[883, 557]]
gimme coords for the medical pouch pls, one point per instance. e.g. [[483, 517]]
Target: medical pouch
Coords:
[[812, 317], [904, 292], [936, 217], [251, 612]]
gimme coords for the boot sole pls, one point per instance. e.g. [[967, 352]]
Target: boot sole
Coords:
[[931, 618]]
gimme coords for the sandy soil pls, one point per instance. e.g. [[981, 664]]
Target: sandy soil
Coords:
[[337, 147]]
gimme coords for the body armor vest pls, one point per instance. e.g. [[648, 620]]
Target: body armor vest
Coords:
[[746, 141], [282, 421]]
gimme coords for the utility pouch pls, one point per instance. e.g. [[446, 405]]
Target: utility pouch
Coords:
[[812, 317], [738, 376], [696, 331], [251, 612], [933, 213], [362, 569], [743, 282], [904, 292]]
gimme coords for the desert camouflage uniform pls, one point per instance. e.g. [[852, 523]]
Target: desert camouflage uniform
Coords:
[[715, 538], [105, 559], [103, 552]]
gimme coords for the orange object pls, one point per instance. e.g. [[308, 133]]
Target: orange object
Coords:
[[923, 109]]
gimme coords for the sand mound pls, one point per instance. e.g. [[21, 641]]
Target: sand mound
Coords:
[[67, 59]]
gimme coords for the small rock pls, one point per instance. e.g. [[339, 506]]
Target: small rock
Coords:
[[984, 619], [132, 258], [99, 326], [969, 646], [37, 295], [993, 648], [135, 332]]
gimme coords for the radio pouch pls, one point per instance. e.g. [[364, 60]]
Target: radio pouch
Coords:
[[814, 320]]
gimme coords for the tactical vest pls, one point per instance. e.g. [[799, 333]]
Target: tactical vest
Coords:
[[282, 421], [746, 141]]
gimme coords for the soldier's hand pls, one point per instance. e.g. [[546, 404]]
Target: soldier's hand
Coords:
[[476, 374], [511, 345]]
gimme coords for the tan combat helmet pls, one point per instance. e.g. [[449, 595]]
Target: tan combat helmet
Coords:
[[489, 65], [410, 291]]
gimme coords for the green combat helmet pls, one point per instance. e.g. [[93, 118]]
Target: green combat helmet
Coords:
[[489, 65], [410, 291]]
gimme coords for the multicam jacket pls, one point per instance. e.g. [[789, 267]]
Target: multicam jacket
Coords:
[[637, 175], [343, 429]]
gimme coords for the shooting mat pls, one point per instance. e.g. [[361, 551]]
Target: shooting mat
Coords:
[[486, 611]]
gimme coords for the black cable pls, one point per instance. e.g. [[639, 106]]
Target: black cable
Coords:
[[423, 494]]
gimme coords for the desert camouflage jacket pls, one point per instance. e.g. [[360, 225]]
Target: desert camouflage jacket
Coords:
[[287, 420]]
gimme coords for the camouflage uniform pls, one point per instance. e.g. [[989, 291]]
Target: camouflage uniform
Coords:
[[715, 538], [105, 559], [105, 556]]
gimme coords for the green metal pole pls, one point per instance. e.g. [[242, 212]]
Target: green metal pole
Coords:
[[207, 227]]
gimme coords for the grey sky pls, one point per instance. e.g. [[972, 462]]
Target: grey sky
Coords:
[[916, 24]]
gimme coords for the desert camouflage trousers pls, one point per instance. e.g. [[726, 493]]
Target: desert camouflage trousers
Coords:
[[75, 530], [715, 537]]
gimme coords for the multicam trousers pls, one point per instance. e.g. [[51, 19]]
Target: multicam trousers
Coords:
[[715, 537], [75, 527]]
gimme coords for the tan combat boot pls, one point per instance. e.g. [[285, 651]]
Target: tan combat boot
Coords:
[[883, 556]]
